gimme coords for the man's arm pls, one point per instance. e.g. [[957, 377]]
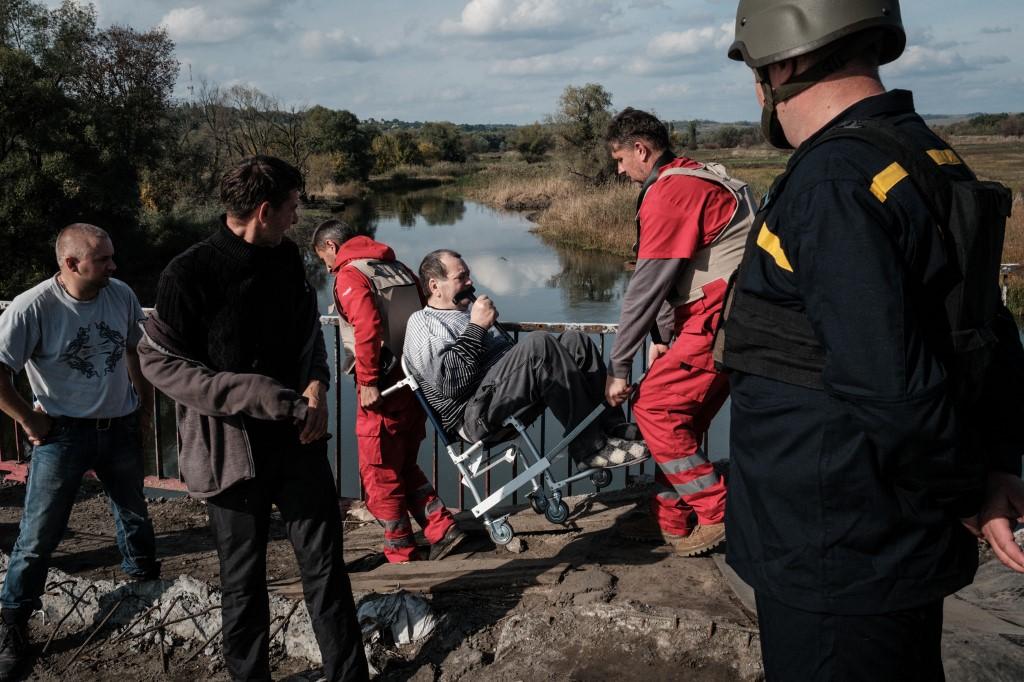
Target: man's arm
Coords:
[[143, 388], [641, 308], [216, 394], [880, 368], [36, 424], [360, 309]]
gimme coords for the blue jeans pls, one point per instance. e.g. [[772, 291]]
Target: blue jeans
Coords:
[[57, 466]]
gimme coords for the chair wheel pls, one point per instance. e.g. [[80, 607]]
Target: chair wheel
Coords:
[[557, 513], [601, 479], [538, 502], [501, 532]]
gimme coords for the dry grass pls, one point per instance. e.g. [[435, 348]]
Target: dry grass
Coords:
[[567, 209], [996, 158], [339, 192], [1013, 248], [598, 218]]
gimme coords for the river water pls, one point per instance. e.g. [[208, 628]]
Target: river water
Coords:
[[529, 280]]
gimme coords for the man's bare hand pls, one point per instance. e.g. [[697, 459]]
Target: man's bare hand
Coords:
[[37, 426], [616, 391], [1002, 509], [315, 426], [655, 351], [483, 313], [369, 397]]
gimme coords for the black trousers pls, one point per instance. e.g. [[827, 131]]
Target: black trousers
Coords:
[[902, 646], [565, 373], [298, 480]]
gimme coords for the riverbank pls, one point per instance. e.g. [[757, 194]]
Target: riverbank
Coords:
[[570, 211]]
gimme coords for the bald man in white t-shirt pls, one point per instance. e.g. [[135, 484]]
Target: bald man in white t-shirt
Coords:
[[75, 335]]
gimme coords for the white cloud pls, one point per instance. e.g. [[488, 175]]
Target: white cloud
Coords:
[[690, 42], [336, 44], [648, 4], [923, 60], [513, 277], [189, 25], [528, 18], [996, 29], [672, 90], [550, 64]]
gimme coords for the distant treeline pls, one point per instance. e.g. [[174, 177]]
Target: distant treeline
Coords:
[[987, 124]]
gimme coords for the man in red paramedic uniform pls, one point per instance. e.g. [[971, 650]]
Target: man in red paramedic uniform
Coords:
[[692, 222], [388, 430]]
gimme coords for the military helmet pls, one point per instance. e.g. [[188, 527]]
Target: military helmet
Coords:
[[769, 31]]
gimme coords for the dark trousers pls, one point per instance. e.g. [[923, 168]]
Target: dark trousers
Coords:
[[565, 373], [298, 480], [901, 646]]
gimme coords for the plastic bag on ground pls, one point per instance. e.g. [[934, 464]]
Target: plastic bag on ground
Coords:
[[406, 616]]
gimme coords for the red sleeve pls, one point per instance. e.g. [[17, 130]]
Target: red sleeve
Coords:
[[680, 214], [352, 291]]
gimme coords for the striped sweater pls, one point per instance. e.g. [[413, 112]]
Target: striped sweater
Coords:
[[449, 356]]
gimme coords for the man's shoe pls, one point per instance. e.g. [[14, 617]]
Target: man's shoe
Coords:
[[13, 647], [151, 573], [700, 541], [617, 453], [443, 547], [625, 431]]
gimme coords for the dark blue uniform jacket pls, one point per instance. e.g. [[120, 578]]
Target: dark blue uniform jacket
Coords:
[[817, 515]]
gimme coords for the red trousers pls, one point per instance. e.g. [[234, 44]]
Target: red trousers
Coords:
[[389, 439], [674, 407]]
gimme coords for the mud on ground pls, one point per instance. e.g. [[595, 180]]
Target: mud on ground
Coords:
[[573, 602]]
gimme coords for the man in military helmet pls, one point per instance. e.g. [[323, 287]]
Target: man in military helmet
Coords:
[[854, 458]]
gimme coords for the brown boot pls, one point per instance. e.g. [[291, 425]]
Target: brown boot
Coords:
[[701, 540]]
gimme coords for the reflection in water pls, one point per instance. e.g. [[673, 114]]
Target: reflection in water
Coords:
[[587, 276], [435, 209]]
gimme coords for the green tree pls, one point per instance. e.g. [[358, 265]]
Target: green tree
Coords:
[[533, 142], [395, 148], [83, 115], [691, 138], [442, 141], [580, 124], [339, 133]]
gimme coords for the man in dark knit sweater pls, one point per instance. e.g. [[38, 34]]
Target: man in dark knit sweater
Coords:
[[236, 341]]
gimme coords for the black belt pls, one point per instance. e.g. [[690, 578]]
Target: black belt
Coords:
[[101, 424]]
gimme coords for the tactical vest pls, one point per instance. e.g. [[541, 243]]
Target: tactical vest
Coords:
[[396, 295], [719, 259], [761, 338]]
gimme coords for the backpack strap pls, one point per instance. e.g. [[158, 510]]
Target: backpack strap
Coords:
[[931, 183]]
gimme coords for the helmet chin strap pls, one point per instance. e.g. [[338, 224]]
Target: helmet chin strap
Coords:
[[833, 58]]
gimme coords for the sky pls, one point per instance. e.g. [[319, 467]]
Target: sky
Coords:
[[507, 61]]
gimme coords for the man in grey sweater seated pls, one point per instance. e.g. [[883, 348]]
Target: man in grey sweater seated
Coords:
[[474, 379]]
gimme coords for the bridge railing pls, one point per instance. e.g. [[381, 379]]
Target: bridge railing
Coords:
[[161, 453]]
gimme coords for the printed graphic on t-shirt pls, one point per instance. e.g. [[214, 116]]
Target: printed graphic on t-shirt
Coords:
[[85, 351]]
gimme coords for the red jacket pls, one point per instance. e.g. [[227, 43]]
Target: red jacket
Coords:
[[354, 297]]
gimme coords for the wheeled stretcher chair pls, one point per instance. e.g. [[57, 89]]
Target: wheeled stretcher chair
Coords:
[[476, 460]]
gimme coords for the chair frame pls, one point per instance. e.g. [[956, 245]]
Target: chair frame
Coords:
[[475, 461]]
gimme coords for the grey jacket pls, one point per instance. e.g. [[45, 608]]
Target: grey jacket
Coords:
[[214, 452]]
